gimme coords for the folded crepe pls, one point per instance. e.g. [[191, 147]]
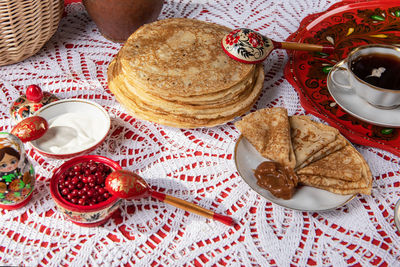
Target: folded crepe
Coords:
[[268, 131], [342, 172], [312, 140]]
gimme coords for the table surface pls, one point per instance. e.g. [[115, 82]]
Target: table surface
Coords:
[[195, 165]]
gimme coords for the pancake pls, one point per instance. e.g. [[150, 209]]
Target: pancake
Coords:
[[205, 99], [174, 72], [181, 57], [227, 108], [345, 164], [268, 131], [137, 108], [312, 140]]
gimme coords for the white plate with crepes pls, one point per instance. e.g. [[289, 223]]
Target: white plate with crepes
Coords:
[[306, 198]]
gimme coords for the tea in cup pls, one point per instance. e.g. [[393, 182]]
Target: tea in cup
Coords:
[[372, 72]]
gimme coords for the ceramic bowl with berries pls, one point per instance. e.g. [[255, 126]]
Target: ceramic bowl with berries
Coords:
[[78, 189]]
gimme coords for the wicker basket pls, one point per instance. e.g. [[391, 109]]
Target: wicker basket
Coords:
[[25, 26]]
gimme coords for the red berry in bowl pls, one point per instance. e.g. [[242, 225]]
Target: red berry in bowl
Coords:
[[83, 184]]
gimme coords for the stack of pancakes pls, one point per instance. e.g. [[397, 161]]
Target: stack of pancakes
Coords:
[[319, 154], [174, 72]]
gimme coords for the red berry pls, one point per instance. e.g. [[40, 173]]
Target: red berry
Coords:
[[74, 192], [65, 191], [83, 184], [90, 193], [85, 179], [91, 178], [75, 180]]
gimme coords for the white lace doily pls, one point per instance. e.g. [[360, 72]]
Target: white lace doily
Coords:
[[195, 165]]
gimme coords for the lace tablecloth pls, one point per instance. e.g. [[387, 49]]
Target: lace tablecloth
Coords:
[[195, 165]]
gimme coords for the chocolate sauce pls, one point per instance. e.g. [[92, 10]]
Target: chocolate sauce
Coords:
[[381, 70], [281, 181]]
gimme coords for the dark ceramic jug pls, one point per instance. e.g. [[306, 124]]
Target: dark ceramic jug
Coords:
[[118, 19]]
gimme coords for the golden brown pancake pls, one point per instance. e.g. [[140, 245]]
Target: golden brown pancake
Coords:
[[312, 140], [181, 57], [174, 72], [268, 131]]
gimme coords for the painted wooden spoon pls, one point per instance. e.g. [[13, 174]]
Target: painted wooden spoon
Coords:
[[129, 185], [248, 46]]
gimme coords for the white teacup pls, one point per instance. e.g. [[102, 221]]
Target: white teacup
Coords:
[[344, 76]]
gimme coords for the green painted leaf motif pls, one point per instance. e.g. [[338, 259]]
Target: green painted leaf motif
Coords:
[[17, 194], [326, 69], [2, 195], [397, 13], [322, 54], [387, 131], [377, 17], [9, 177], [21, 184]]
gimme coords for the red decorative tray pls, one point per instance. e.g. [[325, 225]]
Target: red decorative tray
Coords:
[[345, 25]]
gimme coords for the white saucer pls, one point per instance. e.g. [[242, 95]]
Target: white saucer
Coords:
[[397, 215], [361, 109], [306, 198]]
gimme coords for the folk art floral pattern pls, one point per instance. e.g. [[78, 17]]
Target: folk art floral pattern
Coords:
[[359, 24], [247, 46]]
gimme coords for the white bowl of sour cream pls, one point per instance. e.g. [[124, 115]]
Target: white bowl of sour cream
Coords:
[[76, 127]]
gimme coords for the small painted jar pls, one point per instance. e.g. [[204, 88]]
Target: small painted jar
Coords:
[[17, 177], [26, 105]]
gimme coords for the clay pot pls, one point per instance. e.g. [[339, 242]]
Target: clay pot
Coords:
[[118, 19]]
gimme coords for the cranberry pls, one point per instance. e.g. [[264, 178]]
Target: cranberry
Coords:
[[77, 168], [65, 191], [74, 192], [100, 180], [91, 178], [83, 184], [81, 202], [84, 179], [75, 180], [90, 193]]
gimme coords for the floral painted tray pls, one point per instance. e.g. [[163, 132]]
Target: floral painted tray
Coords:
[[345, 25]]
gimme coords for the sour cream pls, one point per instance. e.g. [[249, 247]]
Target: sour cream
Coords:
[[70, 133]]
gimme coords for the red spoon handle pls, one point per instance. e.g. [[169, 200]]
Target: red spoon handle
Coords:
[[304, 47], [190, 207]]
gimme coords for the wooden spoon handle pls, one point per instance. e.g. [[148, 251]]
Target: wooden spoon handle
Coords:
[[190, 207], [305, 47]]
